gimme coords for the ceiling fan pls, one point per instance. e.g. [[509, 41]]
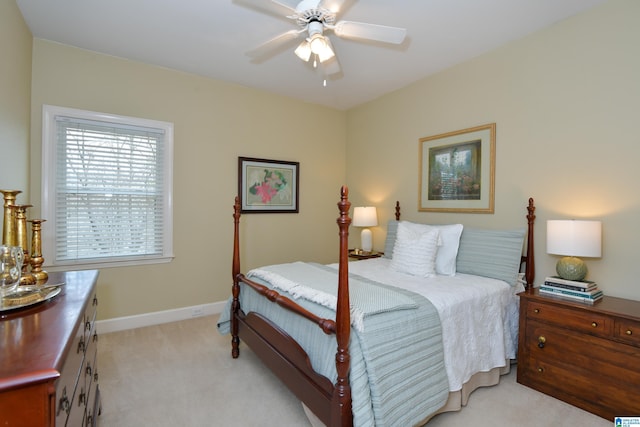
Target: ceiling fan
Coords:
[[313, 18]]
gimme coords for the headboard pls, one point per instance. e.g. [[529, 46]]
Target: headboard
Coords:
[[505, 246]]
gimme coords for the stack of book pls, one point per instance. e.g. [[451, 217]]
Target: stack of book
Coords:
[[584, 291]]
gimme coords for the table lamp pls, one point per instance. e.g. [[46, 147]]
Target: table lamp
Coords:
[[365, 217], [573, 239]]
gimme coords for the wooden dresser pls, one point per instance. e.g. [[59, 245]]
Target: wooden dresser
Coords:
[[585, 355], [48, 364]]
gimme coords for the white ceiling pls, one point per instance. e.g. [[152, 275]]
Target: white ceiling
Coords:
[[210, 38]]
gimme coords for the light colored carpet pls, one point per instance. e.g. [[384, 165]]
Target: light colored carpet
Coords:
[[182, 374]]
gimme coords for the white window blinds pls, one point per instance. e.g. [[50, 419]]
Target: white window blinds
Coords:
[[110, 197]]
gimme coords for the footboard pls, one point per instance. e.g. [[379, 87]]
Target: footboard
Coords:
[[331, 403], [288, 361]]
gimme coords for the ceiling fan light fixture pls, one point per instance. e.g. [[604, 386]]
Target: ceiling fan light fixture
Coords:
[[319, 46], [303, 51], [326, 54], [317, 43]]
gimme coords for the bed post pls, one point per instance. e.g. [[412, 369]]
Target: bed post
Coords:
[[341, 406], [235, 270], [530, 269], [397, 210]]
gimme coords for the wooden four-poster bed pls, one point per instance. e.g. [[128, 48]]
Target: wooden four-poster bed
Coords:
[[329, 400]]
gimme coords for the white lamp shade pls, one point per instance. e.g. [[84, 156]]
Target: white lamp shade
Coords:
[[365, 216], [574, 238]]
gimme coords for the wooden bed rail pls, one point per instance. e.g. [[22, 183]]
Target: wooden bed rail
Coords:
[[328, 326]]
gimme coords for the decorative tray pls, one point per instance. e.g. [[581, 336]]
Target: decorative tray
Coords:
[[26, 296]]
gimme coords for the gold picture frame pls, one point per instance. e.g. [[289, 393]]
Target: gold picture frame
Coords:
[[457, 171]]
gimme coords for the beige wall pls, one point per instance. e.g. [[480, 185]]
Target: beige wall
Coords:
[[15, 88], [565, 101], [215, 122]]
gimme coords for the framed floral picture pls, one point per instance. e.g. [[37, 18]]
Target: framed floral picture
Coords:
[[268, 186], [457, 171]]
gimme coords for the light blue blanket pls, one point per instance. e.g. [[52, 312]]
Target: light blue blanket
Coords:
[[397, 372]]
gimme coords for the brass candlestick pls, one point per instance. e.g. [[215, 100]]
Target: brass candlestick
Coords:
[[9, 224], [36, 251], [20, 212]]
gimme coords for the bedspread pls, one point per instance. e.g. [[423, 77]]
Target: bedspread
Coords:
[[397, 371], [479, 316]]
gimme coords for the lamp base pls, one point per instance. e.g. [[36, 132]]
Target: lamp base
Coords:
[[366, 240], [571, 268]]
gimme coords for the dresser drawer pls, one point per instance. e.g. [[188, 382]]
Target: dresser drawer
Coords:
[[69, 377], [576, 319], [90, 316], [628, 331], [93, 397], [600, 395], [584, 355], [594, 373], [89, 371]]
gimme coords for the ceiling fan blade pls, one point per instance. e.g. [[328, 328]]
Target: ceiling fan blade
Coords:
[[276, 44], [290, 5], [361, 30], [266, 6], [333, 5]]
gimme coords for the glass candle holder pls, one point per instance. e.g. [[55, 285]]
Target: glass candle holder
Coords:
[[11, 259]]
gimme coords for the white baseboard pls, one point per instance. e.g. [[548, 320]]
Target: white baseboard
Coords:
[[158, 317]]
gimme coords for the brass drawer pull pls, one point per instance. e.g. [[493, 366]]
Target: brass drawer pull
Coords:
[[63, 402], [594, 324], [540, 369], [541, 341], [81, 347], [536, 310], [628, 332]]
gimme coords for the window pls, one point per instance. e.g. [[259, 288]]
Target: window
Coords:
[[106, 189]]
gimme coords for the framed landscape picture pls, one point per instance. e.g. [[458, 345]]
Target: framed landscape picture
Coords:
[[457, 171], [268, 186]]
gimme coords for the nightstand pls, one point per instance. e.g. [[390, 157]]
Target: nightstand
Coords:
[[360, 254], [586, 355]]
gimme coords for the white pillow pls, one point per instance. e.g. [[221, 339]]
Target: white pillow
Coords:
[[448, 251], [449, 243], [415, 249]]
